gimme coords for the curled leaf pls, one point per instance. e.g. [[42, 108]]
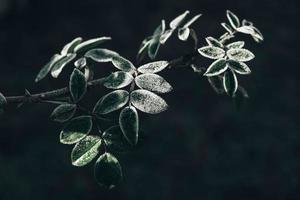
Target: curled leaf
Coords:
[[47, 68], [111, 102], [178, 20], [76, 130], [101, 55], [89, 44], [190, 22], [85, 150], [60, 64], [153, 82], [183, 34], [69, 48], [148, 102]]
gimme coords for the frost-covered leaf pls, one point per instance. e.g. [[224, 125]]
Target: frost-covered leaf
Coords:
[[165, 36], [80, 63], [190, 22], [76, 130], [212, 52], [216, 68], [60, 64], [118, 80], [241, 55], [89, 44], [111, 102], [183, 34], [153, 82], [2, 100], [153, 67], [236, 45], [213, 42], [85, 150], [246, 29], [160, 29], [101, 55], [47, 68], [123, 64], [216, 83], [144, 45], [148, 102], [69, 48], [233, 19], [129, 124], [246, 23], [178, 20], [108, 171], [257, 35], [88, 73], [115, 139], [238, 67], [230, 82], [63, 112], [77, 85], [227, 28]]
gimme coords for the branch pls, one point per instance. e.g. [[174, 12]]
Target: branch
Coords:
[[54, 94]]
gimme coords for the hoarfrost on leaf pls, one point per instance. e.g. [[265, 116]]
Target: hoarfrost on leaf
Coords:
[[77, 85], [241, 55], [118, 80], [233, 19], [212, 52], [238, 67], [101, 55], [236, 45], [216, 68], [148, 102], [63, 112], [230, 82], [153, 82], [85, 150], [129, 124], [60, 64], [69, 48], [153, 67], [178, 20], [123, 64], [89, 44]]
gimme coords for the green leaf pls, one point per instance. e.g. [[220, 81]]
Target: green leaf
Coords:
[[59, 65], [183, 34], [47, 68], [227, 28], [89, 44], [77, 85], [63, 112], [216, 68], [76, 130], [115, 140], [190, 22], [236, 45], [101, 55], [216, 83], [238, 67], [153, 47], [111, 102], [69, 48], [85, 150], [153, 82], [129, 124], [148, 102], [241, 55], [230, 83], [178, 20], [213, 42], [118, 80], [165, 36], [123, 64], [108, 171], [153, 67], [233, 19], [212, 52], [3, 101]]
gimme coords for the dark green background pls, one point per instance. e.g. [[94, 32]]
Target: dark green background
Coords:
[[201, 148]]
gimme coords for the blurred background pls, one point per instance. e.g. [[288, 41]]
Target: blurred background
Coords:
[[201, 148]]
